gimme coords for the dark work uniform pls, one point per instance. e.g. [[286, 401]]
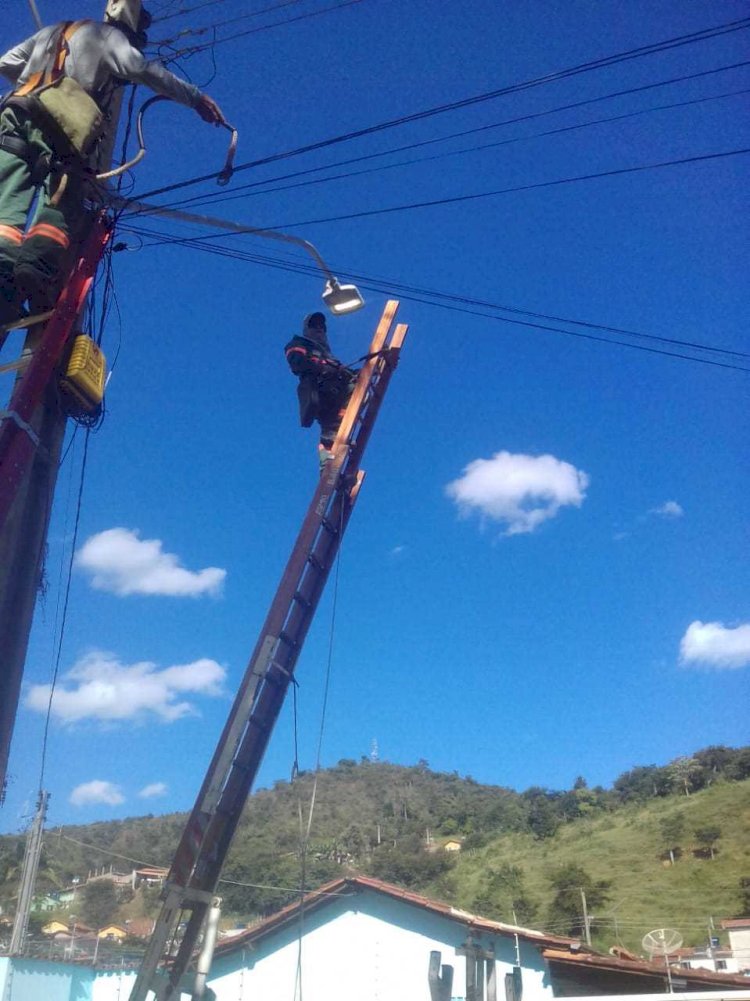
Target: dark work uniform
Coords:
[[325, 385]]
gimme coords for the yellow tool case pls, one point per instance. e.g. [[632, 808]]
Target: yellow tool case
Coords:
[[84, 374]]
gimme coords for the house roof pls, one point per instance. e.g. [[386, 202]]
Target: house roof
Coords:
[[736, 923], [642, 967], [351, 885]]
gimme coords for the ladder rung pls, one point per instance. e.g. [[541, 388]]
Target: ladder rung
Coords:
[[301, 600], [286, 638], [315, 563], [331, 529]]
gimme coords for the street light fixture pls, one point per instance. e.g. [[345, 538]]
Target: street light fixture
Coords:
[[340, 299]]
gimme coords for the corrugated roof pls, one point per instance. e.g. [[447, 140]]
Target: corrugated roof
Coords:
[[351, 885], [642, 967]]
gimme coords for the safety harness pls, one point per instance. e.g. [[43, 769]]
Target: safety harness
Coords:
[[70, 119], [65, 110]]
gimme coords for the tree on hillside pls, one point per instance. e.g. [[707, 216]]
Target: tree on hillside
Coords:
[[566, 909], [714, 761], [503, 896], [739, 768], [543, 819], [707, 838], [671, 829], [686, 774], [408, 864], [642, 783], [99, 902]]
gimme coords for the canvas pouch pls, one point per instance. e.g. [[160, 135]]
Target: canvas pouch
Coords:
[[72, 112]]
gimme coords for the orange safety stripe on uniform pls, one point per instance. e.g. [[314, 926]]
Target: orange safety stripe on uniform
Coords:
[[50, 232], [52, 72], [11, 233]]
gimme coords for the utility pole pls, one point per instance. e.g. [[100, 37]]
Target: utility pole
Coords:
[[23, 541], [586, 919], [28, 877]]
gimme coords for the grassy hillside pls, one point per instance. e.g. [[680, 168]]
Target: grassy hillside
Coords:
[[526, 853], [626, 847]]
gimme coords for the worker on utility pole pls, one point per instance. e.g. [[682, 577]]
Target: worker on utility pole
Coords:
[[325, 385], [64, 80]]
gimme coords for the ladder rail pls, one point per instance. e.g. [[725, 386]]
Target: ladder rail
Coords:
[[275, 682], [207, 836], [273, 624]]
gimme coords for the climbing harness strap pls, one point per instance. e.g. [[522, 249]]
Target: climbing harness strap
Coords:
[[64, 106]]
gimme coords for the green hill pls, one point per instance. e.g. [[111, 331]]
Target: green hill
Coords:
[[664, 847]]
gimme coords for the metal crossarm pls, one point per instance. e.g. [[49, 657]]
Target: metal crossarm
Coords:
[[208, 834]]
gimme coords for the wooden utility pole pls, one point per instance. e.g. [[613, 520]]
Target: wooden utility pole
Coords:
[[23, 540]]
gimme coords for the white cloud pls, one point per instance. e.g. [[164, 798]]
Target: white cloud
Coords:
[[96, 791], [99, 687], [519, 491], [120, 562], [716, 645], [153, 790], [669, 509]]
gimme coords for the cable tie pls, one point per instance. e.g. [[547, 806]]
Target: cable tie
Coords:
[[14, 416]]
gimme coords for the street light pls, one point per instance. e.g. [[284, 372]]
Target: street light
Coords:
[[340, 299]]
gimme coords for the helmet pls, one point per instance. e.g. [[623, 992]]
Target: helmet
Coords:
[[316, 320], [129, 14]]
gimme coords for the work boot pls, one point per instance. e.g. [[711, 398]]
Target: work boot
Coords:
[[38, 287], [325, 455]]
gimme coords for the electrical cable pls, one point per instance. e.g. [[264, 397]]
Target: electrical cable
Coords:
[[456, 199], [64, 614], [232, 196], [460, 303], [305, 836], [236, 191], [605, 61], [192, 50], [221, 24]]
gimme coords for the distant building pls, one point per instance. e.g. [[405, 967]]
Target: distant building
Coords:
[[739, 940]]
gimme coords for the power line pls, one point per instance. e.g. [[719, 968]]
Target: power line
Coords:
[[455, 199], [455, 105], [192, 50], [201, 200], [461, 304], [220, 24]]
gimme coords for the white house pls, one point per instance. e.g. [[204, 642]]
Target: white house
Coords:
[[359, 938], [739, 940]]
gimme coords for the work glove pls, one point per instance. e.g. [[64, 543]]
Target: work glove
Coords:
[[210, 111]]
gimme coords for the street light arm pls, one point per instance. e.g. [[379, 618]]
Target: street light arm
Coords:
[[232, 227]]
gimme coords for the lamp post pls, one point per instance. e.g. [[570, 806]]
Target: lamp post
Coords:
[[340, 299]]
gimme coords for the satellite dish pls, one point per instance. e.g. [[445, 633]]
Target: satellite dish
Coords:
[[661, 941]]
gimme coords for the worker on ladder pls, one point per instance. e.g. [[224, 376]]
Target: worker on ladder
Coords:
[[64, 78], [325, 385]]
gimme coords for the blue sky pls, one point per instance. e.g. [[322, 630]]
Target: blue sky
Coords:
[[546, 574]]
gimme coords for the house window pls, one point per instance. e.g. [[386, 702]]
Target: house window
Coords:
[[721, 964]]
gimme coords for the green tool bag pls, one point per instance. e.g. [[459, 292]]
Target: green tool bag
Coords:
[[59, 103], [72, 112]]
